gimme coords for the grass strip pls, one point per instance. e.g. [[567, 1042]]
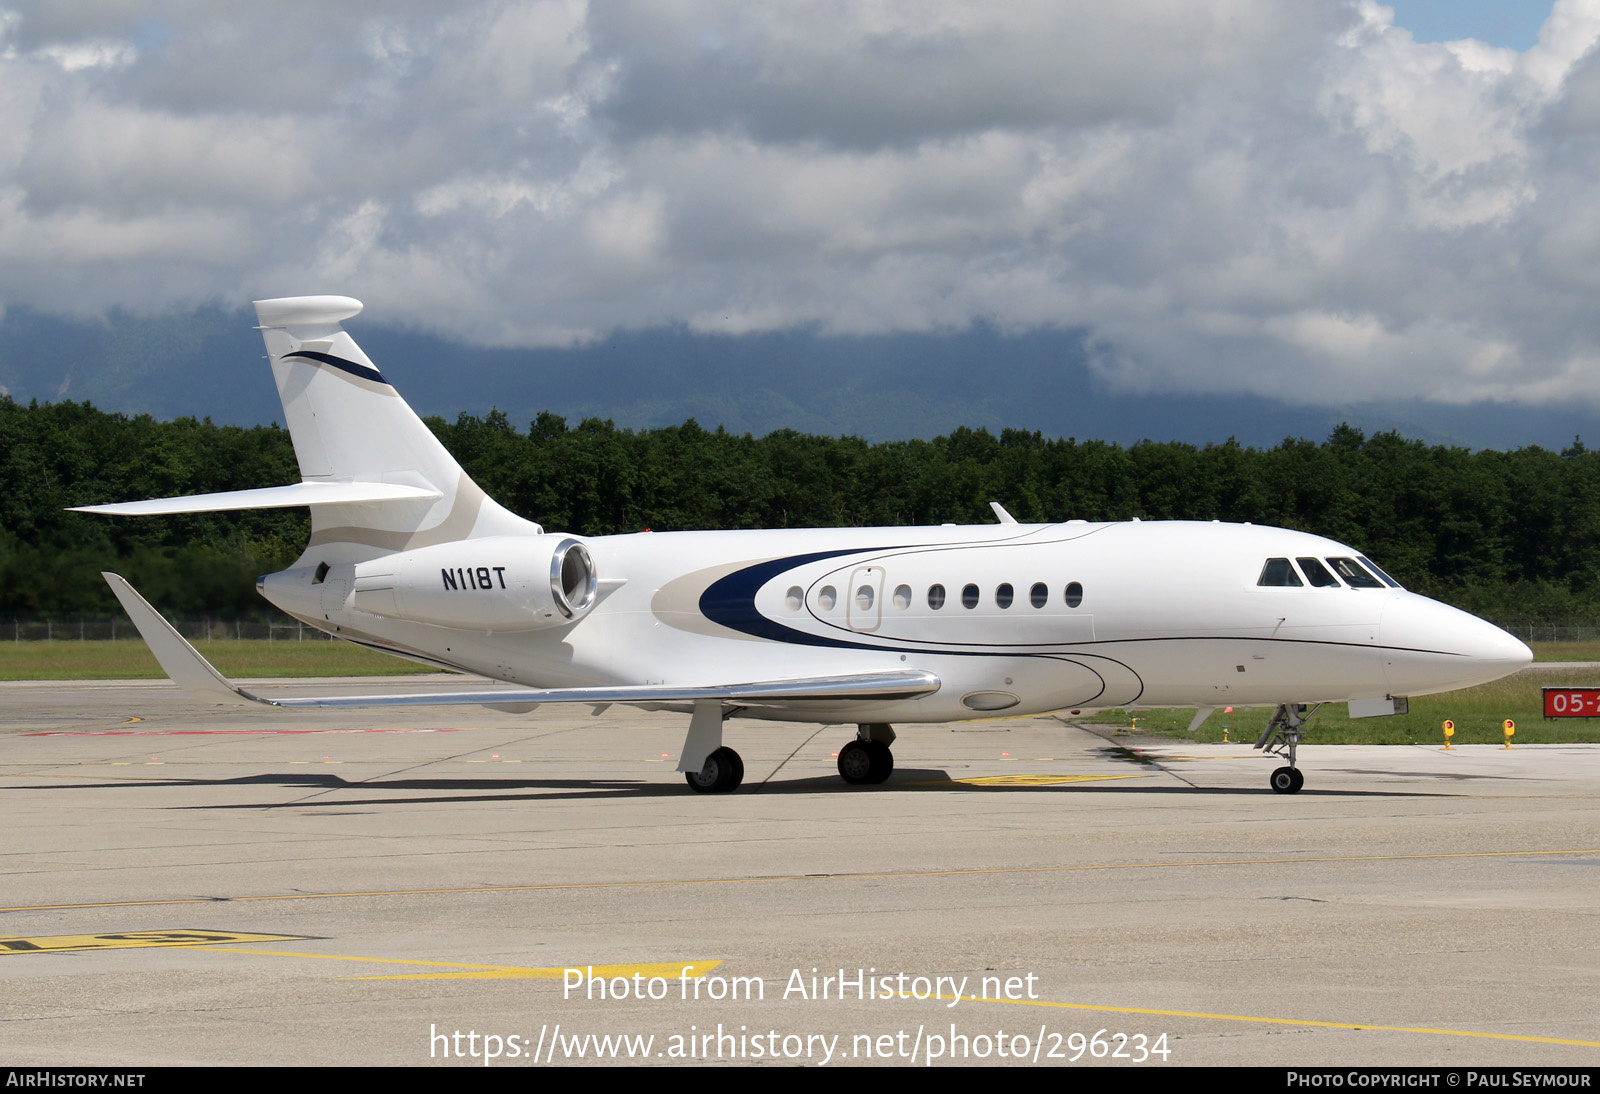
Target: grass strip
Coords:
[[132, 660]]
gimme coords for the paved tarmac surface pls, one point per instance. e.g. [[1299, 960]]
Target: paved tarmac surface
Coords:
[[423, 872]]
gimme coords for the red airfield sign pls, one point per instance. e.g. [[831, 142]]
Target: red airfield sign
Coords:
[[1571, 702]]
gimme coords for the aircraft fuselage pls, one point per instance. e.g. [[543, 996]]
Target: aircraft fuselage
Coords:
[[1010, 617]]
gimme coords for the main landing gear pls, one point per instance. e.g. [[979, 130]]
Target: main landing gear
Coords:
[[709, 766], [1282, 737], [867, 759], [722, 773]]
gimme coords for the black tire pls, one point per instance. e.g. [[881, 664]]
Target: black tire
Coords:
[[1287, 780], [882, 762], [722, 773], [1299, 780], [856, 763]]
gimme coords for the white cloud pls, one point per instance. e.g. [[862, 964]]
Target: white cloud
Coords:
[[1291, 198]]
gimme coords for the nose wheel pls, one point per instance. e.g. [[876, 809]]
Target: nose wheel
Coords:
[[1288, 780]]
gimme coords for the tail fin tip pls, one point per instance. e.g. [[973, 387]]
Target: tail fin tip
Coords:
[[306, 311]]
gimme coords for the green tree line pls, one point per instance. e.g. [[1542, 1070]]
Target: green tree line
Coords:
[[1514, 535]]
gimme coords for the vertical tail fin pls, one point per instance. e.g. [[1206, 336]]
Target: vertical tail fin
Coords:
[[349, 425]]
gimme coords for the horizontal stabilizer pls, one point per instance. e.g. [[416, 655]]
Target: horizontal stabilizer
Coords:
[[270, 497], [194, 674]]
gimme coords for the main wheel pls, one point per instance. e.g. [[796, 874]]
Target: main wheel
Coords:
[[864, 763], [722, 773], [882, 761], [1287, 780], [856, 763]]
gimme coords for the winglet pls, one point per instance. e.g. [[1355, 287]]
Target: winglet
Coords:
[[178, 659]]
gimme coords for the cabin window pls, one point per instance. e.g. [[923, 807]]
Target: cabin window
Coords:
[[1278, 573], [1074, 595], [969, 596], [1354, 576], [864, 598], [1039, 595], [1004, 595], [1387, 580], [936, 597], [794, 598], [902, 597], [827, 598], [1317, 573]]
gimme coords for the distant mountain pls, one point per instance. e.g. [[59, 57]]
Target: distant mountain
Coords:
[[209, 364]]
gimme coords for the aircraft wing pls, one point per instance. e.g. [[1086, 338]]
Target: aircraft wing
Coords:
[[192, 672]]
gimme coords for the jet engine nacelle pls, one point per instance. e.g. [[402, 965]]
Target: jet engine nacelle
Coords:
[[503, 583]]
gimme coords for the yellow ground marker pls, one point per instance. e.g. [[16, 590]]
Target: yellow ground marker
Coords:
[[130, 940], [671, 970], [1255, 1018], [674, 969]]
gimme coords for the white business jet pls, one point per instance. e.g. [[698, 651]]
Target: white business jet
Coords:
[[871, 626]]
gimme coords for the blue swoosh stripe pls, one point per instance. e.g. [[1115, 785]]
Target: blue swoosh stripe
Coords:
[[731, 601], [339, 363]]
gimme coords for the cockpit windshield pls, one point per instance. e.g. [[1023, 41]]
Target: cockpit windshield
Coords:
[[1354, 576], [1279, 573], [1358, 573], [1387, 580], [1317, 573]]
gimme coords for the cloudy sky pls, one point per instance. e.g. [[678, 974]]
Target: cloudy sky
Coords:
[[1322, 202]]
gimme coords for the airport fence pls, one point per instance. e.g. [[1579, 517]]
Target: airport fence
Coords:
[[90, 628], [1546, 632]]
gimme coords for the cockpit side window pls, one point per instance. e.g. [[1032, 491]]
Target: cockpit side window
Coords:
[[1354, 576], [1277, 572], [1387, 580], [1317, 574]]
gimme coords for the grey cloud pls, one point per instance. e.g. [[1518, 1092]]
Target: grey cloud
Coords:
[[864, 76], [1294, 199]]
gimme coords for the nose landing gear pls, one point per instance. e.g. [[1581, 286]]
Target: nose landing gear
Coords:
[[1282, 737]]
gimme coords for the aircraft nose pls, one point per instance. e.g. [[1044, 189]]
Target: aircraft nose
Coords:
[[1431, 647], [1502, 649]]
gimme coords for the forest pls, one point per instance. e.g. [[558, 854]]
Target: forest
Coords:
[[1512, 536]]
